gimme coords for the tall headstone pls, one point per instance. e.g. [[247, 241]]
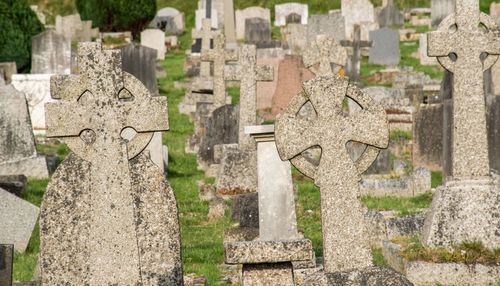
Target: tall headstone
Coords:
[[295, 13], [358, 12], [355, 58], [108, 215], [248, 13], [50, 53], [17, 144], [6, 263], [440, 9], [155, 39], [325, 51], [467, 208], [385, 47], [345, 243], [229, 24], [332, 25], [389, 16]]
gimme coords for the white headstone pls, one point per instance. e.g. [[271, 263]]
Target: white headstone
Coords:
[[154, 38], [359, 12], [282, 11]]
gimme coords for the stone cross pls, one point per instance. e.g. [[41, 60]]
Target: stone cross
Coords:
[[248, 73], [345, 242], [464, 48], [324, 50], [206, 34], [356, 45], [92, 113], [219, 55]]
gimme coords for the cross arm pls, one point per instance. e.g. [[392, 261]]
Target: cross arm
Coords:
[[147, 115], [232, 72], [439, 44], [196, 34], [64, 119], [369, 128], [208, 55]]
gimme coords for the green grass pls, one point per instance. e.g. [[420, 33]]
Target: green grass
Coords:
[[410, 47], [378, 257], [400, 135], [234, 93], [403, 206], [436, 179]]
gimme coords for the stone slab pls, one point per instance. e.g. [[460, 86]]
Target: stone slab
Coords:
[[50, 53], [277, 274], [6, 264], [17, 220], [385, 47], [255, 252], [155, 39]]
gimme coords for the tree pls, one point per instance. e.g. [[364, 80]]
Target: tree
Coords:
[[118, 15], [18, 24]]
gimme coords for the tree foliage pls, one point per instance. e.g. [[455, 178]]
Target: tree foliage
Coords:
[[118, 15], [18, 23]]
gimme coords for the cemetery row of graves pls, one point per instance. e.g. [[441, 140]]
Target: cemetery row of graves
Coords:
[[256, 146]]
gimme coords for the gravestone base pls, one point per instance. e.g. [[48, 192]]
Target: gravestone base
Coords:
[[464, 211], [30, 167], [428, 273], [268, 262], [238, 171], [369, 276], [188, 104]]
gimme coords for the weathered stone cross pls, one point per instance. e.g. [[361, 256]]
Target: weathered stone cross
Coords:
[[94, 108], [324, 50], [345, 243], [248, 73], [219, 55], [464, 48], [356, 45], [205, 34]]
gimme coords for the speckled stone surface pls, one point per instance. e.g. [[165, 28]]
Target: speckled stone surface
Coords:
[[205, 34], [345, 242], [237, 173], [276, 274], [261, 251], [324, 51], [248, 73], [468, 208], [219, 55], [108, 216], [369, 276]]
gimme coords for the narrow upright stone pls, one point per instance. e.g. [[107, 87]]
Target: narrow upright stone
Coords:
[[345, 243], [248, 73], [108, 216], [219, 55], [206, 34], [6, 260], [229, 24]]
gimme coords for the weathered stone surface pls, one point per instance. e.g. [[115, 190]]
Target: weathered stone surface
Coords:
[[284, 11], [245, 209], [345, 244], [422, 52], [140, 61], [467, 208], [7, 69], [169, 20], [495, 12], [50, 53], [14, 184], [74, 29], [390, 16], [428, 136], [494, 133], [229, 24], [108, 215], [440, 9], [6, 261], [155, 39], [295, 36], [17, 220], [17, 144], [248, 13], [354, 65], [238, 171], [330, 25], [369, 276], [257, 251], [417, 183], [257, 31], [324, 51], [385, 48], [206, 34], [266, 89], [278, 274], [358, 12], [291, 74], [37, 90]]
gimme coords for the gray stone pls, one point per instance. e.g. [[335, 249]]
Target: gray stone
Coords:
[[248, 13], [257, 31], [107, 203], [361, 13], [416, 183], [256, 252], [428, 136], [37, 90], [495, 12], [369, 276], [354, 65], [237, 173], [385, 48], [155, 39], [140, 61], [295, 36], [440, 9], [284, 11], [50, 53], [221, 128], [169, 20], [6, 262], [17, 144], [331, 25], [324, 51], [280, 274], [422, 52], [14, 184], [494, 133], [7, 69], [17, 220], [74, 29], [205, 34], [467, 208], [245, 210], [390, 16], [345, 244]]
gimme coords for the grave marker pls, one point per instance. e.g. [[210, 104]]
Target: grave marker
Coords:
[[51, 53], [206, 34], [155, 39], [324, 51], [385, 48], [356, 45]]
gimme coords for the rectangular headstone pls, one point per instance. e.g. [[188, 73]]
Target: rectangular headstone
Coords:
[[17, 220], [385, 47], [248, 13], [332, 25], [360, 12], [229, 24], [6, 262], [257, 31], [140, 61], [50, 53], [428, 136], [495, 12], [154, 38]]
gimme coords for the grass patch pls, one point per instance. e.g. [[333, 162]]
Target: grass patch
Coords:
[[407, 50], [468, 252], [436, 179], [400, 135], [234, 93], [403, 206], [378, 258]]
